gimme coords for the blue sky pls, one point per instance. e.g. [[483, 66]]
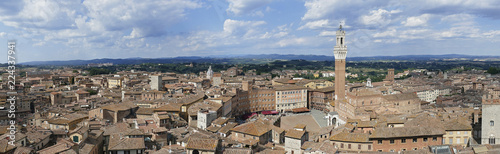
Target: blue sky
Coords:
[[90, 29]]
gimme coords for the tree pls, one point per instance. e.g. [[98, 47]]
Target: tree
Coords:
[[92, 92], [493, 70]]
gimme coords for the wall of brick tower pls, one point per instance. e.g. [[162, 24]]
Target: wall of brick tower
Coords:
[[390, 75], [340, 78]]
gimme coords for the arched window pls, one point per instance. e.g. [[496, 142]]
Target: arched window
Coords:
[[341, 41]]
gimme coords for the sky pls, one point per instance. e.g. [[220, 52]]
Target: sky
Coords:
[[91, 29]]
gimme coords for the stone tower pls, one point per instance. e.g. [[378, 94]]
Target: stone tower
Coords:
[[156, 82], [390, 74], [340, 52], [210, 73]]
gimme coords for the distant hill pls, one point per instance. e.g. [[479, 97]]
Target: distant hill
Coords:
[[263, 58]]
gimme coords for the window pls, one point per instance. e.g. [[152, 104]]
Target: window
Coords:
[[359, 146], [465, 133], [379, 141], [392, 141], [403, 149], [379, 150], [451, 133], [392, 150], [434, 138], [451, 141], [492, 123], [425, 139], [458, 133], [349, 146], [369, 147], [403, 140], [458, 141], [492, 140], [414, 148], [341, 145], [465, 140], [414, 140]]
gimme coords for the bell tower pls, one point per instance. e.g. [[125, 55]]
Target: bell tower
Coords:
[[340, 52]]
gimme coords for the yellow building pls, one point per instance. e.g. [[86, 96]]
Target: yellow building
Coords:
[[115, 82], [457, 133], [318, 84]]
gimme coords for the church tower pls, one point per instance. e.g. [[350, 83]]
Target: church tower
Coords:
[[340, 52], [210, 73]]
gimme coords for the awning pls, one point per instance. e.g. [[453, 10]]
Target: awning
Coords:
[[300, 110], [270, 112]]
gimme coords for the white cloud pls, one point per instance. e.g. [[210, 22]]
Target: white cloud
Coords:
[[379, 18], [2, 34], [240, 7], [317, 9], [461, 19], [145, 17], [242, 28], [417, 20], [455, 32], [292, 41], [328, 33], [316, 24], [388, 33], [492, 33]]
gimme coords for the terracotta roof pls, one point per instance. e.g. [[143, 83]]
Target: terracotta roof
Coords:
[[37, 137], [220, 120], [60, 146], [202, 143], [81, 92], [293, 87], [213, 129], [133, 132], [385, 132], [87, 148], [288, 122], [366, 124], [399, 97], [208, 105], [300, 126], [145, 111], [295, 134], [67, 118], [24, 150], [255, 128], [116, 128], [5, 146], [227, 127], [237, 151], [119, 106], [324, 147], [326, 89], [272, 151], [455, 125], [351, 137], [126, 143], [170, 107]]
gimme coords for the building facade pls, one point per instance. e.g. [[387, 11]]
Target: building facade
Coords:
[[490, 124], [290, 97]]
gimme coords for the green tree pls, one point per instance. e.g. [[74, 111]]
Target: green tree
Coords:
[[493, 70]]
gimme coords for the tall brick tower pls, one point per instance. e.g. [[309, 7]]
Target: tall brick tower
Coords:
[[340, 52]]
